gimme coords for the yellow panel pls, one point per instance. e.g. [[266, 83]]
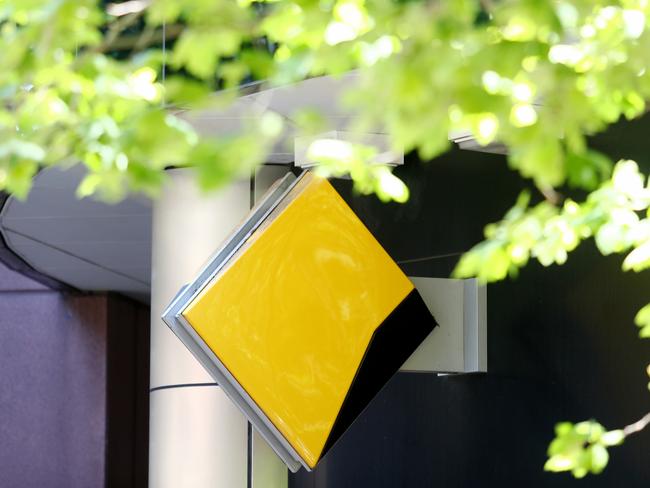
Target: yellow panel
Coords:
[[291, 315]]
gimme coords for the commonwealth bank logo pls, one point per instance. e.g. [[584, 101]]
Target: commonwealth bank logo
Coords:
[[301, 317]]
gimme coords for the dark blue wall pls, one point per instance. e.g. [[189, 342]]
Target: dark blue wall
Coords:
[[561, 346]]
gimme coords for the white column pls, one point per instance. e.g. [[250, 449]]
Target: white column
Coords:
[[198, 439]]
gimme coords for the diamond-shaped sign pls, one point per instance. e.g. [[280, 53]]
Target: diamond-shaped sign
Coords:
[[301, 318]]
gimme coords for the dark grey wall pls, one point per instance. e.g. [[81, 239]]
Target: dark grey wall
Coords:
[[70, 392], [561, 346], [127, 393]]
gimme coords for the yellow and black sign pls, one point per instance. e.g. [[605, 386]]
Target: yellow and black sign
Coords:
[[304, 315]]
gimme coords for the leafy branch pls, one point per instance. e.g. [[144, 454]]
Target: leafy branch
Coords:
[[637, 426], [582, 448], [614, 216]]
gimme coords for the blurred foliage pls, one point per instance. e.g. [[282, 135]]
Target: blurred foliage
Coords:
[[339, 158], [83, 81], [581, 448], [615, 215], [80, 81]]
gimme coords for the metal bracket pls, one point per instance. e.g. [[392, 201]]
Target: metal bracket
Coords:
[[459, 344]]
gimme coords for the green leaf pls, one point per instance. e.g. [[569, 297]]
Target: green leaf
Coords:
[[22, 149], [626, 178], [611, 238], [599, 458], [390, 187], [284, 23], [88, 185], [587, 170], [542, 161], [198, 50], [18, 179], [164, 11], [644, 333], [186, 93], [488, 262], [642, 320], [612, 438], [638, 259], [581, 448]]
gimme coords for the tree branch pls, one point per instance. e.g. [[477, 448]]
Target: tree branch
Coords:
[[550, 194], [115, 29], [487, 5], [637, 426], [138, 42]]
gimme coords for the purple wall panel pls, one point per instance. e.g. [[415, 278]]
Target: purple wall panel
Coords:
[[74, 388], [52, 390], [13, 281]]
